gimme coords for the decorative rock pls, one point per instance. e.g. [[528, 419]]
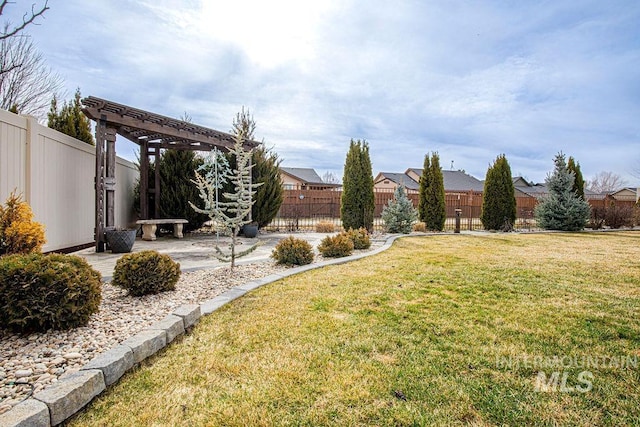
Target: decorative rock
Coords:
[[23, 373], [172, 325], [73, 355], [146, 343], [113, 364], [190, 314], [30, 413], [71, 394]]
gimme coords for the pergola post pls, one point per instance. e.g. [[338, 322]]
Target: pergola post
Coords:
[[110, 178], [156, 184], [101, 127], [144, 180]]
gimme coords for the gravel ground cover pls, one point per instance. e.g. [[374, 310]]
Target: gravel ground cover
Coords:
[[30, 363]]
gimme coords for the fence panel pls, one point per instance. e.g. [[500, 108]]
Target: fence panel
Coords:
[[55, 174]]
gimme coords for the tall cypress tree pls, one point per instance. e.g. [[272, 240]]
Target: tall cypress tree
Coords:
[[578, 180], [436, 213], [70, 119], [270, 194], [498, 199], [422, 190], [358, 202]]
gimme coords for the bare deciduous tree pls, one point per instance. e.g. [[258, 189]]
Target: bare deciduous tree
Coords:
[[605, 181], [330, 178], [27, 85], [27, 19]]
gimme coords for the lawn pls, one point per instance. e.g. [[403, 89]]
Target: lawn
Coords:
[[455, 330]]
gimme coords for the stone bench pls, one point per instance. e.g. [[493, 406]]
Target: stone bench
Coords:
[[149, 227]]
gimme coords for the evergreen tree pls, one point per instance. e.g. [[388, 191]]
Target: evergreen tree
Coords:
[[399, 215], [70, 119], [561, 208], [270, 194], [436, 213], [176, 189], [578, 182], [233, 213], [499, 200], [358, 200], [422, 190]]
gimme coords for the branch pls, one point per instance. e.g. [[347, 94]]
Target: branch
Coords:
[[26, 19]]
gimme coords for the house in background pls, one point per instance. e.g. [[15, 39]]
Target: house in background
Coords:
[[525, 188], [303, 179], [390, 181], [627, 194]]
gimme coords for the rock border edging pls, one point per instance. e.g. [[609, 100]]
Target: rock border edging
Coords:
[[74, 391]]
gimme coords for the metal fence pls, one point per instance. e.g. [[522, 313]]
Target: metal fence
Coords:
[[304, 207]]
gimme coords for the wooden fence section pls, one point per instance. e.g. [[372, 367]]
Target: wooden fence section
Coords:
[[302, 208]]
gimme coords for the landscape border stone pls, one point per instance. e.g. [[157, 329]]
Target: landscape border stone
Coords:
[[113, 363], [73, 392], [173, 325]]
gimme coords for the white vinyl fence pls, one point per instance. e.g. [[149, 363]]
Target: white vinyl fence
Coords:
[[55, 175]]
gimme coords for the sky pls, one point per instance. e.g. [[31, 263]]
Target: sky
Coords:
[[469, 80]]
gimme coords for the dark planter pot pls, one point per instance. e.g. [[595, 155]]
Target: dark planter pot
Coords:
[[250, 230], [121, 241]]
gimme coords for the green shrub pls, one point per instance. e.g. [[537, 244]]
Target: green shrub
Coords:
[[19, 234], [40, 292], [359, 237], [146, 272], [337, 246], [325, 227], [292, 251]]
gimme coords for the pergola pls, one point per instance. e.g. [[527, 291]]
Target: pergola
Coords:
[[152, 132]]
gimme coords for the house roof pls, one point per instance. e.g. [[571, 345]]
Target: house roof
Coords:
[[306, 175], [456, 180], [398, 178]]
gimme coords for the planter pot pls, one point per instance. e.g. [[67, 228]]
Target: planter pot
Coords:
[[250, 230], [121, 241]]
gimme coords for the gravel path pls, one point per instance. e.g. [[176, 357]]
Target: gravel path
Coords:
[[37, 360]]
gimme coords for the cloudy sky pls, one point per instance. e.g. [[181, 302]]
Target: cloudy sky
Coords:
[[468, 79]]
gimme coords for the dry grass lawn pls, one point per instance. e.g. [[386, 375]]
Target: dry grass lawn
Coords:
[[418, 335]]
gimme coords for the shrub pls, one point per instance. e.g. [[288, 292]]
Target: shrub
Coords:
[[359, 237], [325, 227], [146, 272], [292, 251], [598, 215], [337, 246], [420, 227], [19, 234], [40, 292], [619, 216]]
